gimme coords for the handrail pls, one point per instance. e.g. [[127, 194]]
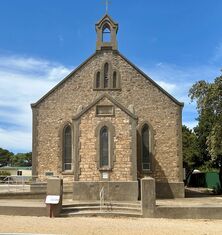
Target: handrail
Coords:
[[101, 197]]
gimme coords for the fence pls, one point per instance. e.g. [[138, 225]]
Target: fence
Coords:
[[19, 183], [15, 183]]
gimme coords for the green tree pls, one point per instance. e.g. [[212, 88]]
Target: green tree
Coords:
[[191, 152], [202, 131], [5, 157], [22, 159], [209, 130]]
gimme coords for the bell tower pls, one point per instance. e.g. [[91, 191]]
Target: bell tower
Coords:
[[106, 30]]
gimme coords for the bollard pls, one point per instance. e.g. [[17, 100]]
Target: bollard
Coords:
[[148, 197], [54, 196]]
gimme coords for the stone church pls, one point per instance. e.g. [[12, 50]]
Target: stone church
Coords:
[[109, 124]]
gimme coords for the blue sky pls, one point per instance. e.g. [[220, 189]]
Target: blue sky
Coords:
[[175, 42]]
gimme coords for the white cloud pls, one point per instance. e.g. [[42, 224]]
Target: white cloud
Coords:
[[57, 72], [15, 140], [22, 63], [37, 67], [22, 82], [167, 86], [178, 80]]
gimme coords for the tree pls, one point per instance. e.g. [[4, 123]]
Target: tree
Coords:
[[209, 130], [22, 159], [202, 131], [191, 152], [5, 157]]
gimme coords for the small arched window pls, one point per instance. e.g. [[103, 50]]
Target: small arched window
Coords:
[[106, 75], [106, 78], [106, 33], [67, 148], [145, 148], [104, 147], [98, 80], [114, 79]]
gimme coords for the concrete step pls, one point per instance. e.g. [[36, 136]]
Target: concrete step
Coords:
[[89, 213], [89, 204], [104, 208], [107, 209]]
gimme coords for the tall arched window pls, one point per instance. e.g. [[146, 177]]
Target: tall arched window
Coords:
[[67, 148], [114, 80], [145, 148], [106, 34], [104, 147], [98, 80], [106, 75]]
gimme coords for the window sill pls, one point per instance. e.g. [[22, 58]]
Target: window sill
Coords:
[[107, 89], [105, 169], [147, 171], [68, 172], [105, 115]]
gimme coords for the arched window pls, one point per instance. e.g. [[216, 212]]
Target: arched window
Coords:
[[106, 75], [104, 147], [114, 80], [67, 148], [106, 34], [145, 148], [98, 80]]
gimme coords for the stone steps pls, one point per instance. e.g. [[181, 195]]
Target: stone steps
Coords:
[[121, 204], [108, 209], [103, 208], [100, 213]]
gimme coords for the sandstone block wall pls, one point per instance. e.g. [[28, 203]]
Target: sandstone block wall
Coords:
[[150, 104], [121, 148]]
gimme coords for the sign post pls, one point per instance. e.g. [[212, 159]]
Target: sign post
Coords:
[[53, 199]]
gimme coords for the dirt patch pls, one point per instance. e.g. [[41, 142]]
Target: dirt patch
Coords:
[[108, 226]]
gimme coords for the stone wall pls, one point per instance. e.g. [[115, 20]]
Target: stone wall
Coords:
[[121, 148], [150, 103]]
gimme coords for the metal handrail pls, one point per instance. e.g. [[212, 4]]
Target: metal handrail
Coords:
[[101, 197]]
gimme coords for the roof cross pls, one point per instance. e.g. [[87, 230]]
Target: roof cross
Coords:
[[107, 5]]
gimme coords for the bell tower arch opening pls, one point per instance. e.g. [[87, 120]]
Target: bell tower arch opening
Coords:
[[106, 33]]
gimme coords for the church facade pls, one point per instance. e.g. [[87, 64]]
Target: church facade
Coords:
[[108, 122]]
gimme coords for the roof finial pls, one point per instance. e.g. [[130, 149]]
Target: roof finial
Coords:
[[107, 5]]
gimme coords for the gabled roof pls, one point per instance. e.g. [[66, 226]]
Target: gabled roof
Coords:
[[63, 80], [124, 58], [106, 17], [111, 99], [151, 80]]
